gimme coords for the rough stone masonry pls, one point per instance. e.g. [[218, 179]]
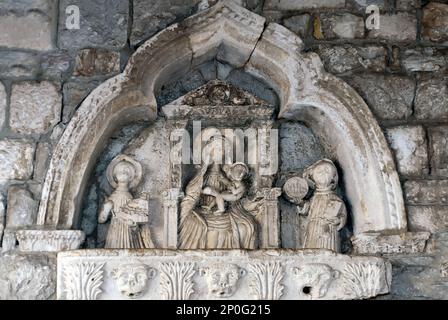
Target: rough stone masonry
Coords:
[[400, 70]]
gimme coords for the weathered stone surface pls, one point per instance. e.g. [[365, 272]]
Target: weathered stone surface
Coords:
[[346, 58], [407, 4], [279, 274], [27, 277], [389, 97], [435, 22], [29, 24], [431, 100], [93, 62], [104, 24], [2, 105], [410, 147], [377, 243], [41, 161], [35, 107], [49, 240], [397, 27], [2, 217], [361, 5], [152, 16], [424, 59], [56, 66], [74, 93], [426, 192], [21, 209], [16, 159], [299, 5], [439, 147], [14, 64], [344, 25], [299, 24], [428, 218]]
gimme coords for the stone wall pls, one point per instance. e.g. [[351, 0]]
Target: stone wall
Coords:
[[400, 70]]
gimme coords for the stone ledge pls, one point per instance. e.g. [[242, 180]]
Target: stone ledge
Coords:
[[377, 243], [185, 274], [49, 240]]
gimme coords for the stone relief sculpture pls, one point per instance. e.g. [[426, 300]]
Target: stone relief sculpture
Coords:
[[129, 226], [132, 279], [83, 280], [361, 279], [176, 280], [266, 280], [222, 278], [326, 212], [205, 222], [315, 279]]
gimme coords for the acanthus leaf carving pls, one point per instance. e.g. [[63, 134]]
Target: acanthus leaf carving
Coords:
[[83, 280], [362, 280], [266, 282], [176, 280]]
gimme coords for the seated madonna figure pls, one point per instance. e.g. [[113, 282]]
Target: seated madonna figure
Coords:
[[205, 223], [129, 227]]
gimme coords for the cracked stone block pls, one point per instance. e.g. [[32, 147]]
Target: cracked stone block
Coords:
[[16, 159], [2, 105], [410, 147], [74, 92], [428, 218], [28, 24], [345, 26], [431, 101], [435, 22], [397, 27], [426, 192], [439, 146], [388, 96], [342, 59], [35, 107], [27, 277], [103, 24], [95, 62], [299, 24], [424, 59], [291, 5], [15, 64], [21, 209], [151, 16]]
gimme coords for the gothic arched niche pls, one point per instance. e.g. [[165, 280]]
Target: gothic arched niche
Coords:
[[240, 39]]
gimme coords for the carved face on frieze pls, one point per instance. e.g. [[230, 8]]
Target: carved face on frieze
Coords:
[[222, 278], [132, 279], [315, 279]]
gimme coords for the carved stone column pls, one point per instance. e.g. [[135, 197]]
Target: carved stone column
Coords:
[[171, 199], [269, 219]]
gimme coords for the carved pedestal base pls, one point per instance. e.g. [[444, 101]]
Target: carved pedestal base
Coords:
[[227, 274]]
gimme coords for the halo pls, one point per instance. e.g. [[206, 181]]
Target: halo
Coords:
[[137, 167]]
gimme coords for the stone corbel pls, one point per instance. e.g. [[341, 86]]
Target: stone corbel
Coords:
[[269, 219], [171, 200]]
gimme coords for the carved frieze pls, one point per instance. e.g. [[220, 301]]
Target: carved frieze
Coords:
[[374, 243], [155, 274]]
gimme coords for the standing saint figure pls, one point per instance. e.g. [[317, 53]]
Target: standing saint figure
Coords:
[[129, 227], [327, 213]]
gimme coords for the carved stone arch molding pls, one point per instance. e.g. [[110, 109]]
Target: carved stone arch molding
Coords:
[[238, 37]]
